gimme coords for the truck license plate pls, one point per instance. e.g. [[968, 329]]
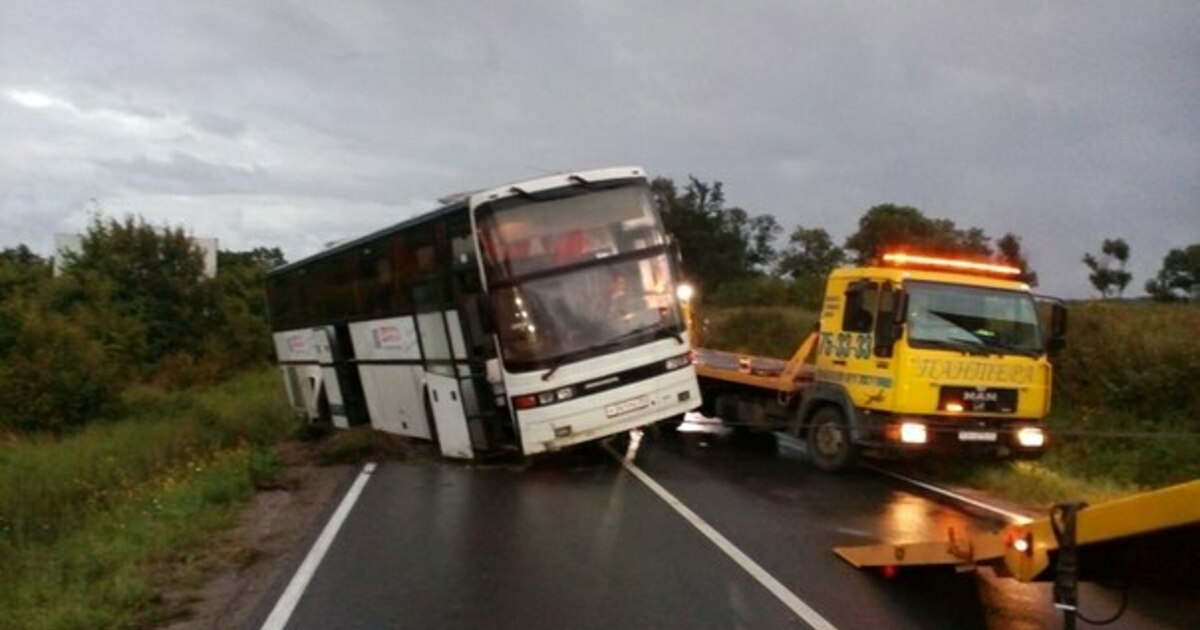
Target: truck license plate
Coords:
[[976, 436], [626, 406]]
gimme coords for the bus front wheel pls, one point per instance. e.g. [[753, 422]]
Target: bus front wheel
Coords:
[[829, 443]]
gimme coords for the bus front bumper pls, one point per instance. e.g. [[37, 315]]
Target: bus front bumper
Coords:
[[614, 411]]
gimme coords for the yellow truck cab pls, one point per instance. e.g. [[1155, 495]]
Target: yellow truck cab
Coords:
[[914, 355]]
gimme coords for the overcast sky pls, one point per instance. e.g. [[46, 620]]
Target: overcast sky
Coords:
[[294, 123]]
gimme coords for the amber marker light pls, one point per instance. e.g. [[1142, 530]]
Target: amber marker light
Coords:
[[901, 259]]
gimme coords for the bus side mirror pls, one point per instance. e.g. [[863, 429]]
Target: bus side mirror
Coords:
[[483, 308], [676, 253]]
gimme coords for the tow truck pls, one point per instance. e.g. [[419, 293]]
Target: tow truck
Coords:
[[912, 356]]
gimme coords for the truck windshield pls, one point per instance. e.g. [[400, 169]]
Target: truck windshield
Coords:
[[963, 317], [576, 274]]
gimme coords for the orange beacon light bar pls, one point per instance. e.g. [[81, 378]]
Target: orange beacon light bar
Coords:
[[901, 259]]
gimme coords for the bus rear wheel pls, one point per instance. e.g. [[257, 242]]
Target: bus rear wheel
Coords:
[[829, 443]]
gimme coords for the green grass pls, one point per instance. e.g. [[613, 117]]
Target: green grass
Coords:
[[1037, 484], [91, 525]]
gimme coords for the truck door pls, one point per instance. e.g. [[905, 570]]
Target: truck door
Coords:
[[865, 367]]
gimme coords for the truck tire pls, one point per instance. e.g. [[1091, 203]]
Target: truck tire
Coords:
[[727, 410], [829, 444]]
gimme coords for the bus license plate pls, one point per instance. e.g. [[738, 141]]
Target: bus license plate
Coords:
[[976, 436], [626, 406]]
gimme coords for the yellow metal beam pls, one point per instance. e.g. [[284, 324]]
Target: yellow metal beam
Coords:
[[788, 380], [1138, 515]]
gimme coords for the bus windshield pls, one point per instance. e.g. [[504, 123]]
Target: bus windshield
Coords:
[[965, 318], [577, 274]]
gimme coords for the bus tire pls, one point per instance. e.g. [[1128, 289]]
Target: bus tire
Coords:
[[829, 443], [669, 426], [324, 413]]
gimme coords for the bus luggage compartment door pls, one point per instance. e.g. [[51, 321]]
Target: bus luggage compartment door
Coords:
[[329, 377], [448, 416]]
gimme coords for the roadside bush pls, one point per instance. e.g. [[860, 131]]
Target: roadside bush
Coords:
[[48, 487], [767, 291], [181, 370], [54, 375], [1140, 358], [765, 331]]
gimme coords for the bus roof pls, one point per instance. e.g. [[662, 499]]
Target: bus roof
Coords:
[[459, 201], [371, 237]]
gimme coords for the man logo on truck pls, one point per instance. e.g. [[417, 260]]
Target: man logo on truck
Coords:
[[981, 397]]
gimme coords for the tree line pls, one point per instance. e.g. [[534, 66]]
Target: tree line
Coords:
[[737, 259], [131, 307]]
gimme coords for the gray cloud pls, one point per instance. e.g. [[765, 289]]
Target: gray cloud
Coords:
[[294, 123]]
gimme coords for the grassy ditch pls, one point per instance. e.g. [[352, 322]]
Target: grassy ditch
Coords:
[[1126, 399], [92, 525]]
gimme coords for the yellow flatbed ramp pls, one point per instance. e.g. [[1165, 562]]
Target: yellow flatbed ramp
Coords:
[[1024, 551]]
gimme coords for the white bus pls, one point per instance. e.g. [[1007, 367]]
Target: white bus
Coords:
[[524, 318]]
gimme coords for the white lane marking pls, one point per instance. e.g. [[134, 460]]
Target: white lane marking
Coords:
[[789, 599], [295, 589], [1013, 517]]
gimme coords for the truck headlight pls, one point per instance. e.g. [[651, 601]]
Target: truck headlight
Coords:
[[1031, 437], [913, 433]]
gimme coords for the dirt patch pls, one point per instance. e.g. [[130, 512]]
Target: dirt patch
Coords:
[[227, 584], [224, 587]]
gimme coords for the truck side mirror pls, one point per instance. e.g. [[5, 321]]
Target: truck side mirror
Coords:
[[890, 327], [1052, 313], [1058, 328], [1058, 321], [901, 302]]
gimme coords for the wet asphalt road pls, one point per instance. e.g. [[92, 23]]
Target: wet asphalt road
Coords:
[[574, 541]]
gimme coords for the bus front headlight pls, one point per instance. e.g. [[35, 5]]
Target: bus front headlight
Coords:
[[674, 363], [685, 292]]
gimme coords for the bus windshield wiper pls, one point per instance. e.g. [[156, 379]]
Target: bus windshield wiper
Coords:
[[557, 363]]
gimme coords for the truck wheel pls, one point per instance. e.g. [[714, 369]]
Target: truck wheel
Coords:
[[727, 410], [829, 445]]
